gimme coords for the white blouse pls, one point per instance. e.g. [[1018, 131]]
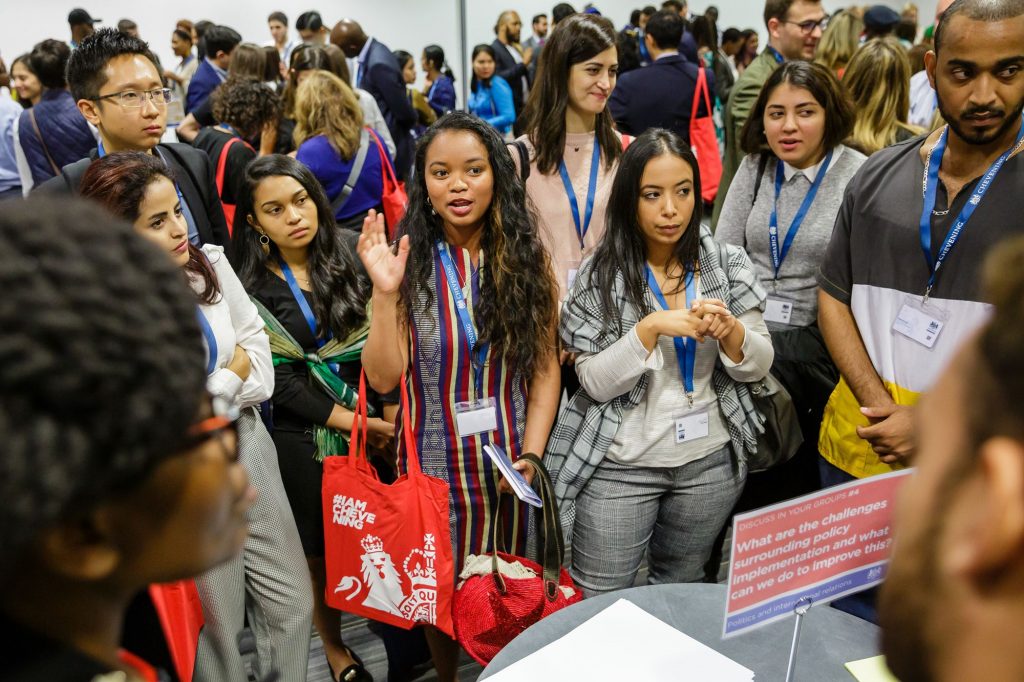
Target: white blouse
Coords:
[[235, 321]]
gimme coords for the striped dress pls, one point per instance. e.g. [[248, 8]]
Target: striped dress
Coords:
[[441, 375]]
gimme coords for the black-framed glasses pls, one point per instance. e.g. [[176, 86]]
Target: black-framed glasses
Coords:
[[133, 99], [807, 27]]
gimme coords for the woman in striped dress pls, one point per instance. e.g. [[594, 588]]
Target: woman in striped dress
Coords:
[[472, 320]]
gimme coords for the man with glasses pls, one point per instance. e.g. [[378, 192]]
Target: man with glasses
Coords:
[[118, 472], [117, 84], [794, 29]]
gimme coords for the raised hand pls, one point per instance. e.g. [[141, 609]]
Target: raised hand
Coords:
[[386, 268]]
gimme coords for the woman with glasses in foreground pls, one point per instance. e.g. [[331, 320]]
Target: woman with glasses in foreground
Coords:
[[138, 187]]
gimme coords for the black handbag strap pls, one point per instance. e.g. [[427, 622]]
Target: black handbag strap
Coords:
[[39, 134], [762, 164], [524, 160], [552, 543]]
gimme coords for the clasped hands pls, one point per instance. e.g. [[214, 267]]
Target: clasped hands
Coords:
[[705, 318]]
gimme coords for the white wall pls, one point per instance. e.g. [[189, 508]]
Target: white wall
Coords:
[[400, 24]]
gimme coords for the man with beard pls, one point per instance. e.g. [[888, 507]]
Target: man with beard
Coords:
[[899, 285], [511, 60], [953, 601]]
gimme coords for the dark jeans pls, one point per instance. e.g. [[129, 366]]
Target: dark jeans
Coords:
[[862, 604]]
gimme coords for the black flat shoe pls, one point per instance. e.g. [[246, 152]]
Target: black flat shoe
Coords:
[[356, 672]]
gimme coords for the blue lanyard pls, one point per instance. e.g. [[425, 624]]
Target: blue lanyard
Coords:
[[461, 308], [297, 294], [231, 130], [211, 341], [931, 182], [775, 54], [581, 228], [798, 219], [686, 349], [193, 231]]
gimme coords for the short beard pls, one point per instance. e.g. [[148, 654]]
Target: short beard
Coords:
[[954, 122]]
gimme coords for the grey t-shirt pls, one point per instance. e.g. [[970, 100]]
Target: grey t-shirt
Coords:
[[744, 222]]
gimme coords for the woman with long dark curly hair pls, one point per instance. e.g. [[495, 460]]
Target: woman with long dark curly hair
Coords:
[[466, 306], [652, 450], [303, 273], [139, 188]]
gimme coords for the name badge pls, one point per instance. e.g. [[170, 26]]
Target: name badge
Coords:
[[918, 325], [778, 310], [570, 277], [691, 427], [477, 416]]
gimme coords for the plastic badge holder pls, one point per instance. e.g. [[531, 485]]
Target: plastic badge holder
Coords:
[[518, 484]]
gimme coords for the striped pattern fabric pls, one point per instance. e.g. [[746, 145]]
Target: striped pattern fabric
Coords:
[[441, 375]]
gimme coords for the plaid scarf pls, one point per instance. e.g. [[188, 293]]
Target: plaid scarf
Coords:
[[285, 349], [585, 428]]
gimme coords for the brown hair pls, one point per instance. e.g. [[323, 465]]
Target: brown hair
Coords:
[[325, 105], [825, 89], [779, 9], [575, 40], [880, 112], [119, 182]]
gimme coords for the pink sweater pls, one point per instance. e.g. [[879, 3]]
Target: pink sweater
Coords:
[[554, 216]]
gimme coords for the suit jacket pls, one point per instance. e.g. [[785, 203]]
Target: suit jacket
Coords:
[[688, 46], [512, 71], [741, 101], [659, 95], [204, 81], [195, 178], [381, 76]]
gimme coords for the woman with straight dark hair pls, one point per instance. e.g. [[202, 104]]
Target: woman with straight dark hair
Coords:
[[490, 95], [464, 314], [302, 272], [572, 146], [269, 572], [440, 84], [669, 331], [781, 207]]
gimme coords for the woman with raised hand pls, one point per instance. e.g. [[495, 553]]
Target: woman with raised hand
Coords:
[[781, 208], [464, 311], [269, 573], [312, 294], [668, 325]]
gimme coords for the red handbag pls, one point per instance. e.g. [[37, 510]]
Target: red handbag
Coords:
[[222, 162], [180, 614], [491, 610], [388, 547], [704, 140], [394, 200]]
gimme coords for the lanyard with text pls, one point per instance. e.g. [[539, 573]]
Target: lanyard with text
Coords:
[[931, 182], [584, 225], [193, 231], [461, 308], [686, 349], [297, 294], [211, 341], [773, 224]]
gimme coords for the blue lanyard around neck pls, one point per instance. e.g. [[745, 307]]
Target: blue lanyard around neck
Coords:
[[231, 130], [686, 349], [798, 220], [297, 294], [479, 350], [584, 225], [211, 341], [776, 55], [193, 231], [931, 183]]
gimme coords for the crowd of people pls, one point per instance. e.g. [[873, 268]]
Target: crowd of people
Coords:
[[607, 201]]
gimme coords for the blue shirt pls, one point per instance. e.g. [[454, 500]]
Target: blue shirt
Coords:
[[9, 113], [442, 95], [494, 104], [332, 172]]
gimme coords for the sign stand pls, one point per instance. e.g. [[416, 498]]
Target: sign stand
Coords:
[[800, 609]]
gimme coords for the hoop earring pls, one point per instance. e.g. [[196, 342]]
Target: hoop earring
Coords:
[[264, 240]]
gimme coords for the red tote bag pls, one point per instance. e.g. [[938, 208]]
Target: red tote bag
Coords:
[[180, 613], [388, 547], [704, 141], [394, 200], [222, 162]]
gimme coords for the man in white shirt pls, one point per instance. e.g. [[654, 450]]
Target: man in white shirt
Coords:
[[278, 24]]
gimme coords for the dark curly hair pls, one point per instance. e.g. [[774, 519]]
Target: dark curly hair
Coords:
[[245, 104], [623, 247], [102, 365], [517, 310], [119, 181], [88, 62], [341, 288]]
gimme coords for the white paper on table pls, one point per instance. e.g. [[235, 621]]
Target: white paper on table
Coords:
[[624, 642]]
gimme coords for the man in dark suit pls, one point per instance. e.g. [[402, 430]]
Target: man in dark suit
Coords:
[[659, 95], [687, 43], [220, 42], [512, 62], [380, 75]]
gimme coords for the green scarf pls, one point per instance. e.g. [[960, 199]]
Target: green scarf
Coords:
[[285, 349]]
